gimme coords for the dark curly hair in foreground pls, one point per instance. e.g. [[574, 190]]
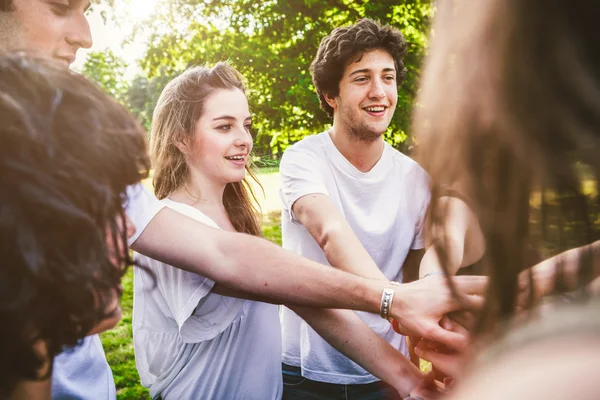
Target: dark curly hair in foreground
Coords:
[[68, 153], [348, 44]]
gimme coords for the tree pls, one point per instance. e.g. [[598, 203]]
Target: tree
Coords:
[[272, 43], [107, 70]]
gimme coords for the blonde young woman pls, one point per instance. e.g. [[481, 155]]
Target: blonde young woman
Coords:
[[195, 339]]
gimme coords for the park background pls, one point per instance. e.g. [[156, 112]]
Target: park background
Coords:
[[140, 45]]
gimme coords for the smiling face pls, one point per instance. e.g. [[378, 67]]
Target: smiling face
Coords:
[[52, 28], [221, 144], [368, 96]]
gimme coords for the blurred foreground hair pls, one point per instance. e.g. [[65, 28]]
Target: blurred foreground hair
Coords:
[[68, 151], [510, 112]]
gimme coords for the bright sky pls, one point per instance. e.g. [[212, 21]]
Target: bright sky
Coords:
[[110, 36]]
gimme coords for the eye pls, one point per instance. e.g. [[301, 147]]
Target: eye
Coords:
[[361, 79], [60, 9], [390, 78], [225, 127], [248, 127]]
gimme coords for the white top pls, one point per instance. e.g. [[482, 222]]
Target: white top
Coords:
[[83, 373], [193, 344], [141, 207], [385, 208]]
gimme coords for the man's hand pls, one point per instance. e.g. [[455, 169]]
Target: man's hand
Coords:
[[450, 362], [418, 307]]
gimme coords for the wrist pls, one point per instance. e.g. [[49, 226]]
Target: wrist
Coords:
[[400, 306], [433, 273]]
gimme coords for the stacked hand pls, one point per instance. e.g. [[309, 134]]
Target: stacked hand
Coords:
[[420, 306]]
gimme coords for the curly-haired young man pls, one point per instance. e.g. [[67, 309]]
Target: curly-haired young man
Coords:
[[350, 200]]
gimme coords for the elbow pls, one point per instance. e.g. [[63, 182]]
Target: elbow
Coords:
[[326, 234]]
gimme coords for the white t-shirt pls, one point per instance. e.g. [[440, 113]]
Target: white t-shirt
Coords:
[[385, 208], [141, 207], [83, 373], [193, 344]]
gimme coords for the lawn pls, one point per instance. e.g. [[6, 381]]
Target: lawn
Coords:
[[118, 343]]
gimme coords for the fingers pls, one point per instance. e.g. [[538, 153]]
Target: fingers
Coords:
[[464, 318], [447, 363], [446, 323], [466, 302], [471, 285], [454, 340]]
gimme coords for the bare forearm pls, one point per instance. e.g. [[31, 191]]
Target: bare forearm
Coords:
[[544, 273], [345, 331], [344, 251], [254, 265], [431, 262]]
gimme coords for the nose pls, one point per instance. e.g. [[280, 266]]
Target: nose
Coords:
[[80, 35], [377, 92], [243, 139]]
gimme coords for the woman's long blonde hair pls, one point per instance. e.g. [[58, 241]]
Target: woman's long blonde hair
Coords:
[[179, 107]]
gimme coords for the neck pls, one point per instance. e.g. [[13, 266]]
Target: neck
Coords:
[[32, 390], [362, 154], [200, 191]]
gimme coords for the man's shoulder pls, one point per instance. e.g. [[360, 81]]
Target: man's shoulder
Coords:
[[403, 160], [406, 166], [311, 146], [310, 142]]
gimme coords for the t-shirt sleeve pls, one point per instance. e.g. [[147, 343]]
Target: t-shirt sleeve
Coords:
[[423, 192], [187, 297], [301, 173], [141, 206], [200, 315]]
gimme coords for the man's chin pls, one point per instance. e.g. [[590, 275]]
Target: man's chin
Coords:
[[368, 134]]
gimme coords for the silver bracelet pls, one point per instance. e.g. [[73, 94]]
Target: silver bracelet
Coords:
[[385, 308]]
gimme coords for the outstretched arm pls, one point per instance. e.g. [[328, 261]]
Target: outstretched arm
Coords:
[[459, 228], [350, 335], [544, 273], [258, 267]]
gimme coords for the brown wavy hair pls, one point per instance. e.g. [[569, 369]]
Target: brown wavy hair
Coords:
[[510, 106], [179, 107], [346, 44]]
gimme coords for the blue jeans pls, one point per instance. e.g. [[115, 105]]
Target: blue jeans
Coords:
[[296, 387]]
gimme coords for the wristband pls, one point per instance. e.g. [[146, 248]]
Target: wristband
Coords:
[[385, 308]]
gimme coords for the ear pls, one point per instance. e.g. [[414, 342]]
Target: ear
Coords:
[[183, 146], [331, 101]]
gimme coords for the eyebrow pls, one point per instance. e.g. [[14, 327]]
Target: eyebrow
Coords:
[[365, 70], [73, 3], [229, 118]]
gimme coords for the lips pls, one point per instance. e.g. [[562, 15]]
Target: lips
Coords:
[[67, 59], [237, 160], [377, 110]]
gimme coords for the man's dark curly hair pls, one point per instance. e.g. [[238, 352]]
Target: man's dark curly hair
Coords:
[[67, 154], [348, 44]]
